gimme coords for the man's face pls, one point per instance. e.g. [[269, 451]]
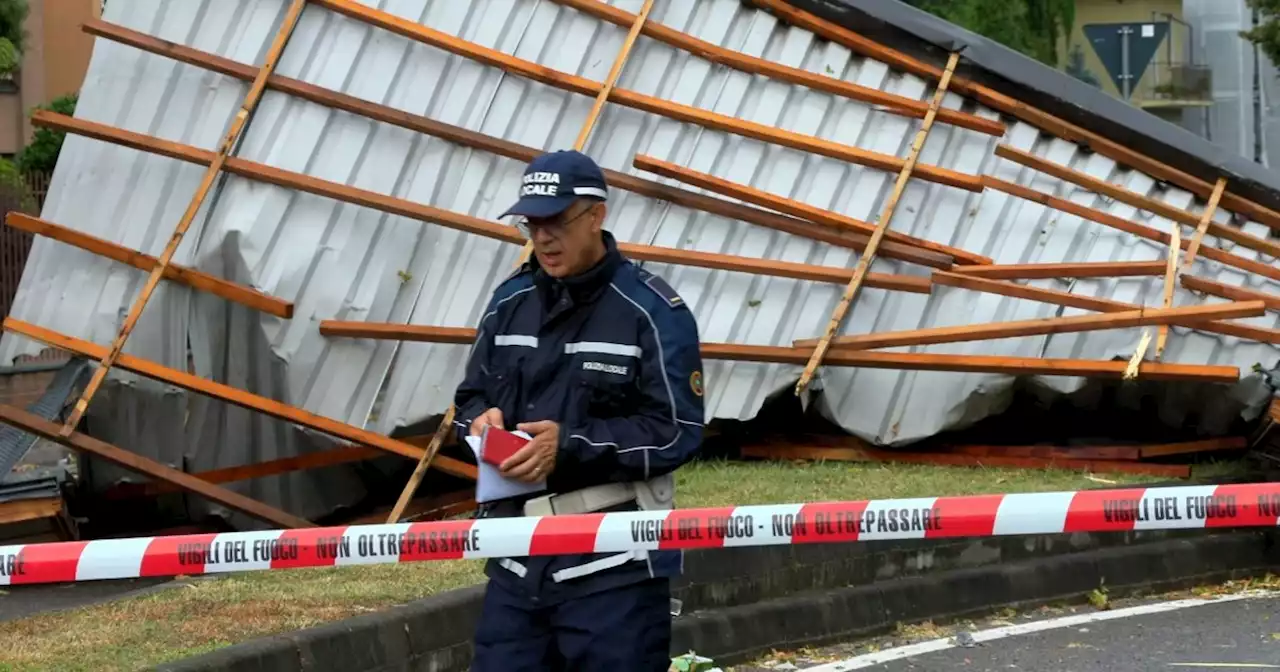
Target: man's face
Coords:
[[568, 243]]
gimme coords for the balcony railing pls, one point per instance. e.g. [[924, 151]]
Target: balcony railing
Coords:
[[1175, 85]]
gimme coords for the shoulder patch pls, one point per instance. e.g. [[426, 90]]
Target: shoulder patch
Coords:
[[662, 289]]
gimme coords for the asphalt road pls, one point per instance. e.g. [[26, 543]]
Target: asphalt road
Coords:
[[23, 601], [1241, 635]]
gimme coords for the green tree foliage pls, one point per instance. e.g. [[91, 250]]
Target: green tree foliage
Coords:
[[42, 154], [15, 193], [1267, 33], [12, 37], [12, 14], [1029, 26]]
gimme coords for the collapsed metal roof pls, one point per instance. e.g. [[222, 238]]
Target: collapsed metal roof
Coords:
[[340, 261]]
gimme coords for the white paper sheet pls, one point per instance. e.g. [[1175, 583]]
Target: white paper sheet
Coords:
[[492, 485]]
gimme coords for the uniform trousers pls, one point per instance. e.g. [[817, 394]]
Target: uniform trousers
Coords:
[[623, 629]]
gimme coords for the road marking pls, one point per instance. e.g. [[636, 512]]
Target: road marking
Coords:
[[942, 644], [1228, 666]]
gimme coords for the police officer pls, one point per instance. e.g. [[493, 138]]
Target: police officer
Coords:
[[598, 360]]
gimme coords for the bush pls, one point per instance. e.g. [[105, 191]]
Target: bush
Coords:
[[42, 154], [15, 194]]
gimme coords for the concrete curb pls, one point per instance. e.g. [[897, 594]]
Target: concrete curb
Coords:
[[743, 602]]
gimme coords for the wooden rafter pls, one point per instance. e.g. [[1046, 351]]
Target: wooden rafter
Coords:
[[758, 66], [991, 98], [1016, 366], [1197, 284], [1088, 269], [83, 443], [1127, 226], [455, 134], [886, 216], [793, 207], [1044, 326], [638, 101], [225, 148], [239, 398], [245, 296], [1011, 289], [1085, 181], [447, 218]]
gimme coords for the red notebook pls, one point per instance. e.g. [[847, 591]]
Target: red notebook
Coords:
[[496, 445]]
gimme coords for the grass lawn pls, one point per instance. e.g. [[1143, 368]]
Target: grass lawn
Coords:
[[208, 614]]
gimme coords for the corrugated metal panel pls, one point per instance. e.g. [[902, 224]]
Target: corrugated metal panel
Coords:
[[339, 261]]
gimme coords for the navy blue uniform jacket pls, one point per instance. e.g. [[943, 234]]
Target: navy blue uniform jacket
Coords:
[[612, 355]]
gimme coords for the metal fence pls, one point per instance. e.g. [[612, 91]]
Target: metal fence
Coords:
[[15, 245]]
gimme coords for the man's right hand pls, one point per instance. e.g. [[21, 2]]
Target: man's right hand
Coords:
[[493, 416]]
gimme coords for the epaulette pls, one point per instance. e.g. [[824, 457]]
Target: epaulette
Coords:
[[526, 267], [661, 288]]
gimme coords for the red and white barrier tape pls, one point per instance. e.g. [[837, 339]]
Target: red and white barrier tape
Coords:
[[1186, 507]]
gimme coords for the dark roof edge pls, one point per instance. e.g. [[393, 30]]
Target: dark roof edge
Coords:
[[929, 38]]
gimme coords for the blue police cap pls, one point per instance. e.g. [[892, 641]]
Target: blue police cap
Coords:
[[554, 180]]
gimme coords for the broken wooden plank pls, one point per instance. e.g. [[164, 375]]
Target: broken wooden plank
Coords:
[[1198, 284], [225, 147], [638, 101], [1135, 199], [1206, 218], [1088, 269], [886, 216], [1005, 288], [943, 459], [1190, 447], [83, 443], [758, 66], [16, 511], [1043, 326], [793, 207], [240, 398], [1124, 453], [245, 296], [1051, 124], [467, 138], [1016, 366], [284, 465], [454, 220], [1134, 228]]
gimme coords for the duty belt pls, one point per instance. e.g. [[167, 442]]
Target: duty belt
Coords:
[[586, 500]]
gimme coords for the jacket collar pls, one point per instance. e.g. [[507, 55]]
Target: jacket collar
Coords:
[[582, 288]]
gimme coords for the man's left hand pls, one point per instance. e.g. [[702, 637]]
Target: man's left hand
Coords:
[[538, 458]]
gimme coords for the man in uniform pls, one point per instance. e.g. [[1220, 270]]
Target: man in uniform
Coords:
[[598, 360]]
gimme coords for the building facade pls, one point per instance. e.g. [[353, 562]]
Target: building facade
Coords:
[[54, 62]]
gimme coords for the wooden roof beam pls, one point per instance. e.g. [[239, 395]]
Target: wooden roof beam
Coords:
[[245, 296], [1019, 110], [83, 443], [1013, 366], [1011, 289], [1120, 224], [892, 103], [1198, 284], [237, 397], [467, 138], [1088, 269], [1135, 199], [454, 220], [638, 101], [793, 207], [1043, 327]]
